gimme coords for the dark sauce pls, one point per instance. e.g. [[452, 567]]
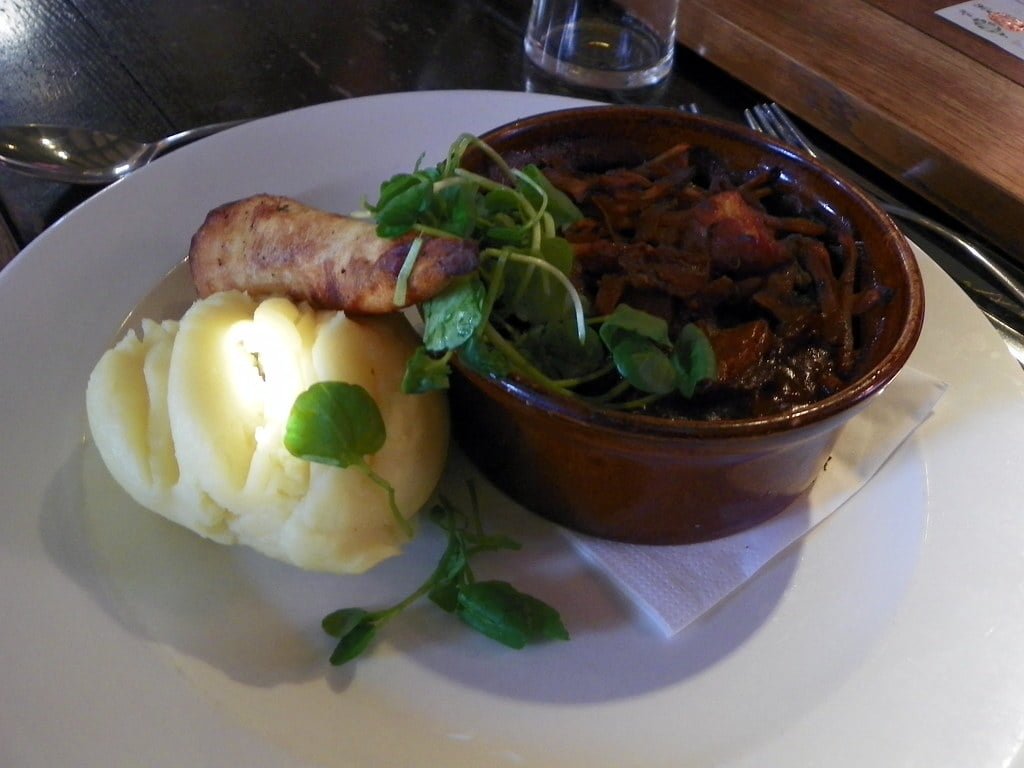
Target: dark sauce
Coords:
[[774, 280]]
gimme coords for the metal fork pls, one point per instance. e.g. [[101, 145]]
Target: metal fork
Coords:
[[770, 119]]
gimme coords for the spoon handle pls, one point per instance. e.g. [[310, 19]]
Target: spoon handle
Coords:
[[176, 140]]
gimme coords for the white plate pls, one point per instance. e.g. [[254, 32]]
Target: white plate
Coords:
[[894, 635]]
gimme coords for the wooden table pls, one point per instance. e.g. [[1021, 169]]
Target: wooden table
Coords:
[[933, 106], [152, 68], [148, 69]]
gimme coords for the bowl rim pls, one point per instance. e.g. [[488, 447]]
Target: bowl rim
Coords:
[[640, 424]]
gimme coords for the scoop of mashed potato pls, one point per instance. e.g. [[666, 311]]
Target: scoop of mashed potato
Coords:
[[189, 418]]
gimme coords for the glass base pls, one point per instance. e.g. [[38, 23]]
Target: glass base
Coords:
[[601, 54]]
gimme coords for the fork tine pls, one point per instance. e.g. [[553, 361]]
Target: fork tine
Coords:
[[751, 119], [758, 118], [788, 129], [769, 124]]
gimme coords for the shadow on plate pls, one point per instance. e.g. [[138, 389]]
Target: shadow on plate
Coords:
[[615, 651], [244, 629], [257, 620], [170, 587]]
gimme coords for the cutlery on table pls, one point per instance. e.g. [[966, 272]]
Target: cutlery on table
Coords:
[[82, 156]]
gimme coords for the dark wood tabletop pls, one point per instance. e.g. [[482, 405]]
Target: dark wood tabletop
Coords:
[[155, 67], [935, 105], [152, 67]]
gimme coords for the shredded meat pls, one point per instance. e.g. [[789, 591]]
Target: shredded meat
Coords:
[[772, 281]]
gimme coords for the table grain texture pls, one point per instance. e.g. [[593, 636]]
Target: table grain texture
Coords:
[[939, 120], [151, 67]]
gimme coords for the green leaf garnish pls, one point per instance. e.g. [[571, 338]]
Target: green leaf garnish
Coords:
[[536, 290], [340, 623], [694, 360], [493, 608], [452, 317], [403, 200], [626, 321], [424, 373], [555, 349], [561, 208], [643, 364], [503, 613], [460, 201], [502, 200], [511, 316], [484, 358], [339, 424], [334, 423], [644, 356], [354, 642]]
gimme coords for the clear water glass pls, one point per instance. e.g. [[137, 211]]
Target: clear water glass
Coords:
[[602, 44]]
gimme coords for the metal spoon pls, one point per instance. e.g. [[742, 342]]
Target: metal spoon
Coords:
[[81, 156]]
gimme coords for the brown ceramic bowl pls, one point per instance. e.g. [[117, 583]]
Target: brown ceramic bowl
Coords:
[[655, 480]]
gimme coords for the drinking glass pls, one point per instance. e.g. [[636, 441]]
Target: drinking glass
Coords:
[[602, 44]]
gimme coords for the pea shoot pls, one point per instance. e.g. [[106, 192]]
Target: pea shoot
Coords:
[[339, 424], [496, 609], [520, 312]]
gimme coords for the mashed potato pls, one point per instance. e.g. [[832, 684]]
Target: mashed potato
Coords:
[[189, 418]]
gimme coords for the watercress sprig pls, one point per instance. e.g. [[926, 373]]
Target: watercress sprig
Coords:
[[514, 313], [649, 361], [493, 608], [339, 424]]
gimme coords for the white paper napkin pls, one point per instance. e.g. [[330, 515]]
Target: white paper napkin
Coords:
[[674, 585]]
